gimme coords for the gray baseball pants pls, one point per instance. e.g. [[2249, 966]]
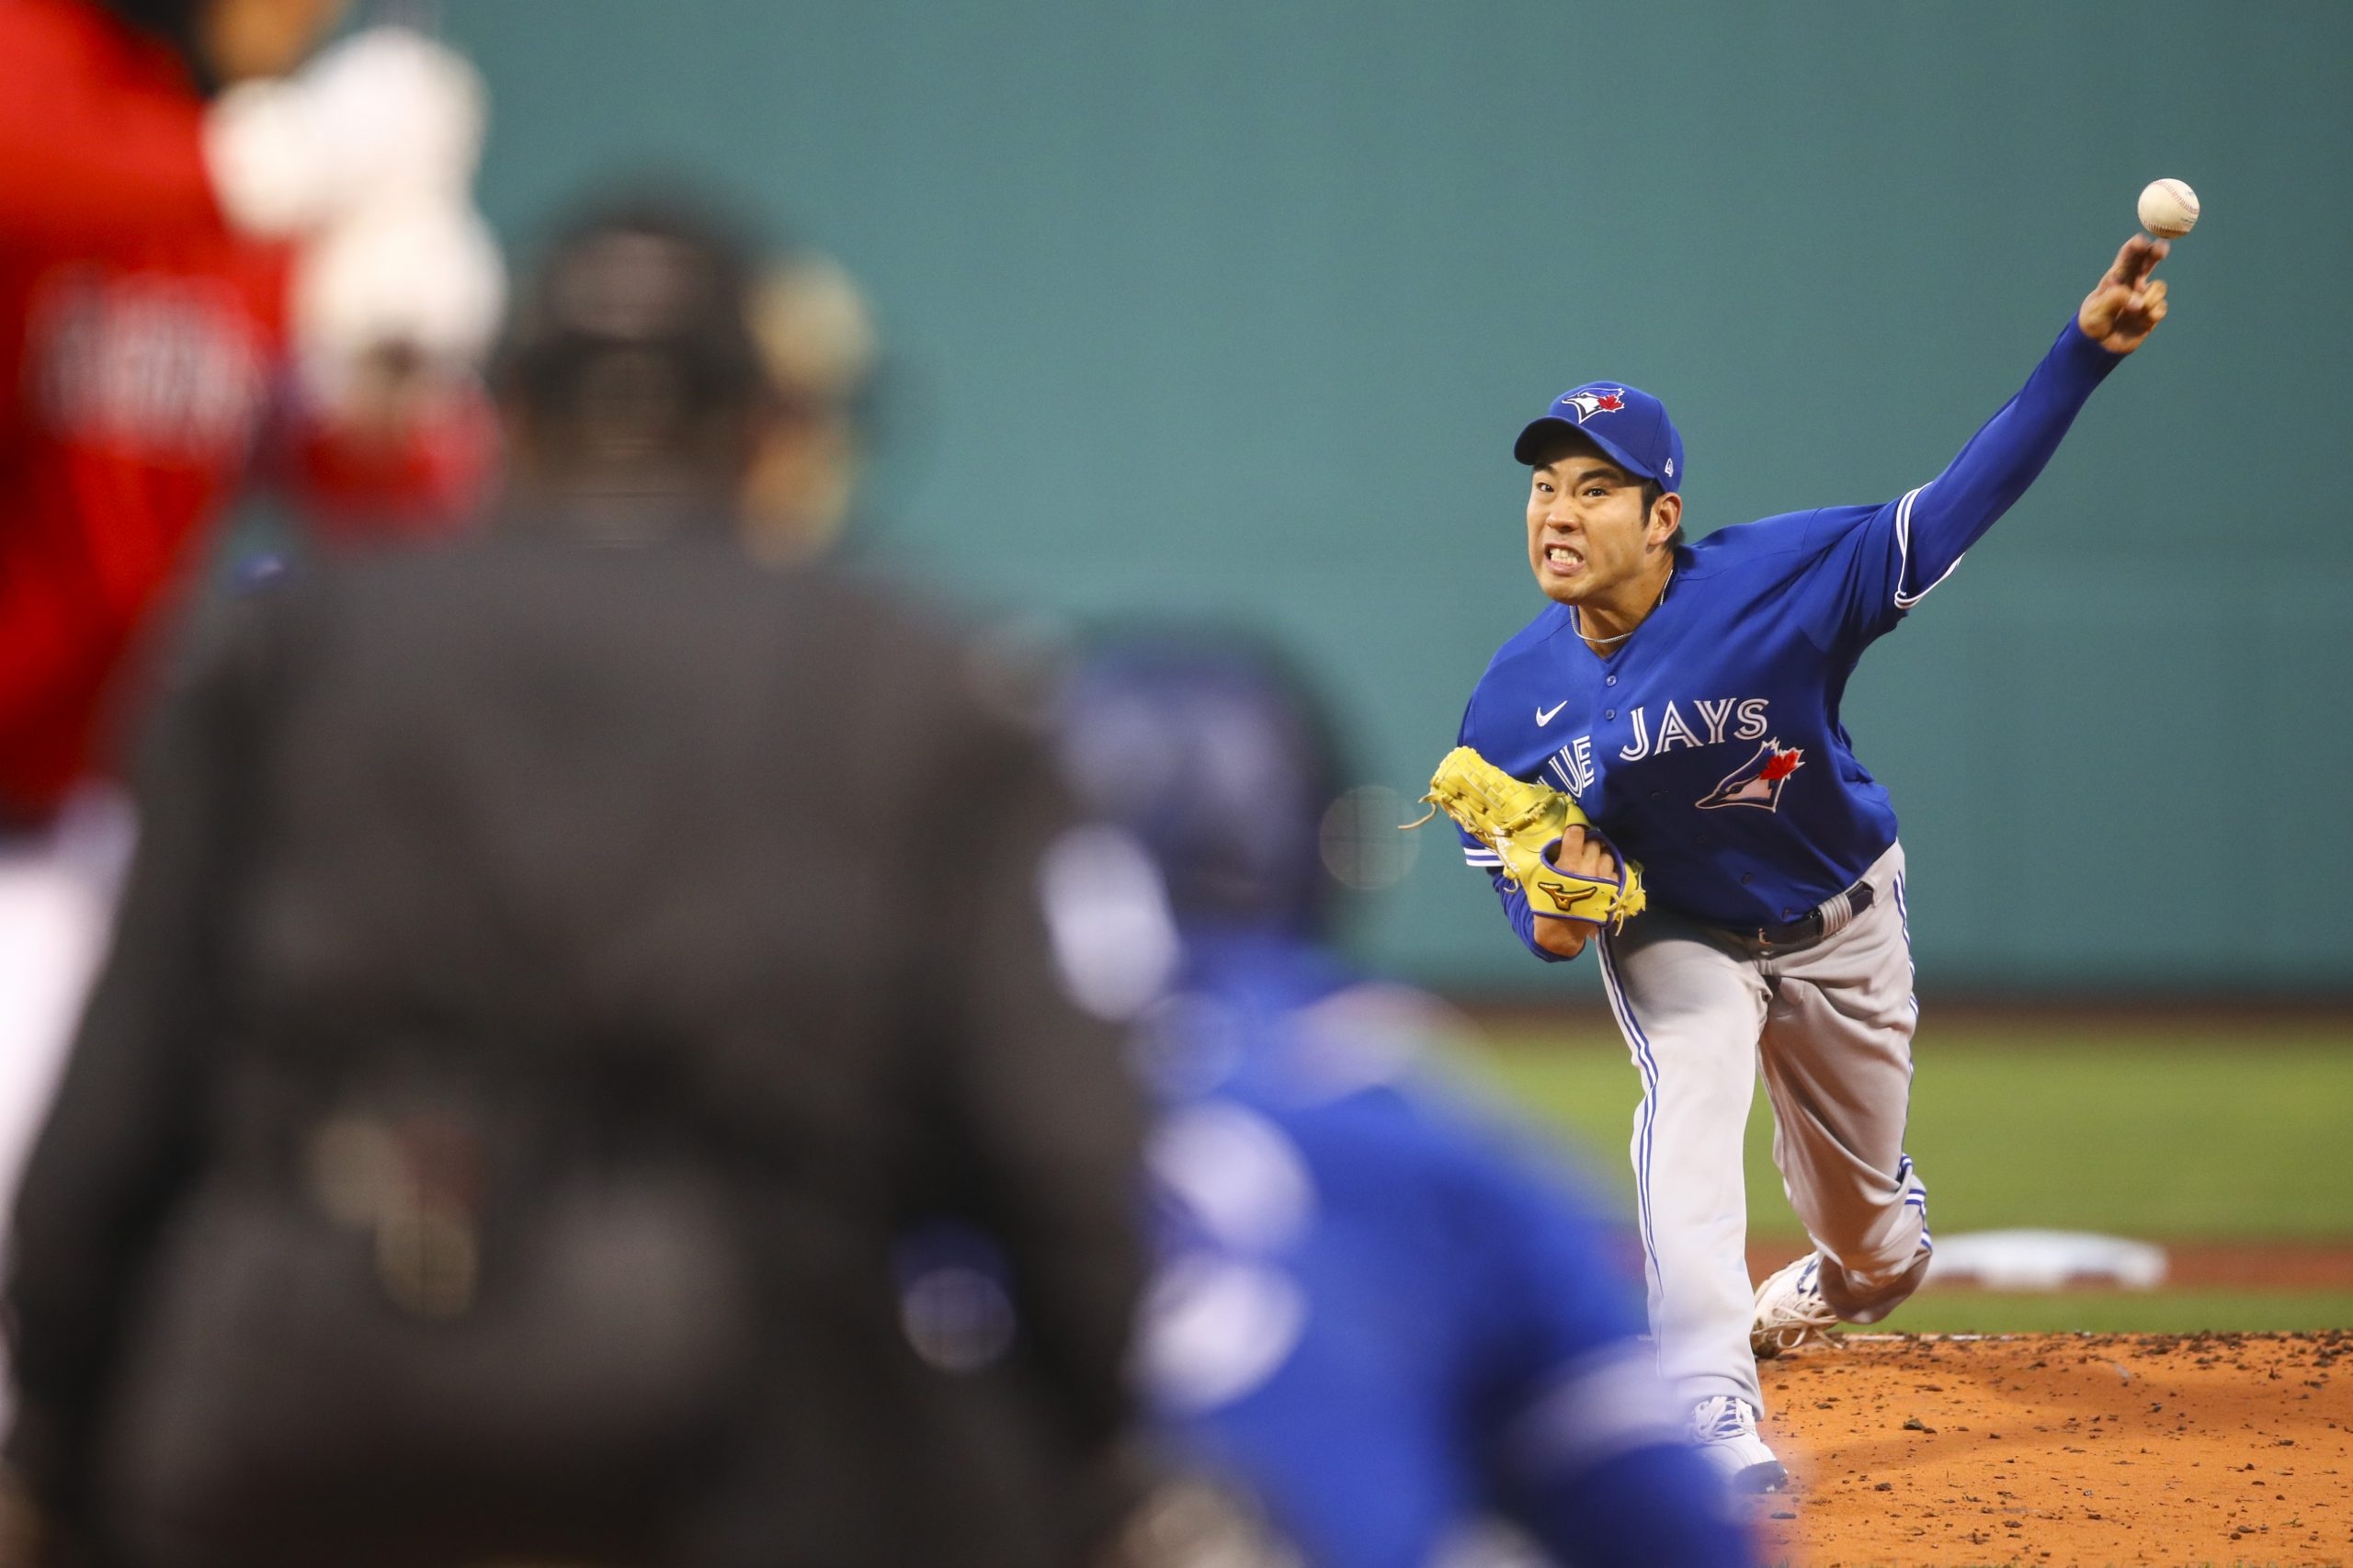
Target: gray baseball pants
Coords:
[[1829, 1023]]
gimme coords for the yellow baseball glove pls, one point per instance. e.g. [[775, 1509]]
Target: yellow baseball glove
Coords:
[[1521, 822]]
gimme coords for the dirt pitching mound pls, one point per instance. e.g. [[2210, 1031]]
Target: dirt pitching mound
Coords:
[[2061, 1448]]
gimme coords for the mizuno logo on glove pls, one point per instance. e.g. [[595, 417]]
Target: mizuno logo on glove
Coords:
[[1566, 898]]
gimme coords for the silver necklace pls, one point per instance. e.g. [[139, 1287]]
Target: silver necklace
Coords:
[[1607, 641]]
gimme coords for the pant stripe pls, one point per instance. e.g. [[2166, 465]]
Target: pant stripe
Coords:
[[1916, 1200], [1904, 919], [1648, 1067]]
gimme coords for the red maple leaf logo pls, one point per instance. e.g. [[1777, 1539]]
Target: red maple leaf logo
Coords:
[[1608, 403], [1782, 763]]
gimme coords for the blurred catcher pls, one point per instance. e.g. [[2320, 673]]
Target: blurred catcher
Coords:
[[1381, 1318], [493, 1133]]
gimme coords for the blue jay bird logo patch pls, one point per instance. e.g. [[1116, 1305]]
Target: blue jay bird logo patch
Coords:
[[1756, 782], [1601, 400]]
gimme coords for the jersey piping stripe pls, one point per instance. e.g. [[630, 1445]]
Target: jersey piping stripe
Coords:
[[1647, 1066], [1903, 549]]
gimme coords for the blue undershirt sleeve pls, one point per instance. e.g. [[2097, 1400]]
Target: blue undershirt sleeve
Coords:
[[1936, 523]]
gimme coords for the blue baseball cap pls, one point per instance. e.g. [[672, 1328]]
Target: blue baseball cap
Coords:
[[1625, 422]]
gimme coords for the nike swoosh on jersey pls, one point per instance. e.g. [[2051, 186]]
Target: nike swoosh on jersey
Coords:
[[1546, 715]]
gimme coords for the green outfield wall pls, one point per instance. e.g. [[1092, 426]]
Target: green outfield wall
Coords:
[[1235, 307]]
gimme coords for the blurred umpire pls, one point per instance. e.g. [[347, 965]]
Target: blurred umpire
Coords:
[[557, 970]]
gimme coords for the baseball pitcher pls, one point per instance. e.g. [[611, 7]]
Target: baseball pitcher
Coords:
[[1716, 837]]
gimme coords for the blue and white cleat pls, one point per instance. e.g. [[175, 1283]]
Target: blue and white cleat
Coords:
[[1791, 1311], [1724, 1429]]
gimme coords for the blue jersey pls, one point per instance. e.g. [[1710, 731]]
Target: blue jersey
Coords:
[[1377, 1313], [1708, 745]]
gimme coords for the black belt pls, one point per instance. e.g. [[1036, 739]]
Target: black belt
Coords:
[[1824, 919]]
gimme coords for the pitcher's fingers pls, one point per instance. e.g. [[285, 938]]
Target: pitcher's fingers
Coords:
[[2128, 260]]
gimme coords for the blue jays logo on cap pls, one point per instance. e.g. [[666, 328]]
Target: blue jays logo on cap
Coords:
[[1625, 422], [1590, 401]]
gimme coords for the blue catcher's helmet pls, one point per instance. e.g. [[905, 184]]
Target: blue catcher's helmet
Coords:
[[1212, 752]]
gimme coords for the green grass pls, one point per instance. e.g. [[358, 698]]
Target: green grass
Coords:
[[2152, 1133], [2120, 1311], [2164, 1136]]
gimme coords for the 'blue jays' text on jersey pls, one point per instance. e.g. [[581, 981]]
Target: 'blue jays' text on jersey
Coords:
[[1708, 745], [1381, 1314]]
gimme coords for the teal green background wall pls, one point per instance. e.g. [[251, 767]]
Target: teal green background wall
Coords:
[[1235, 307]]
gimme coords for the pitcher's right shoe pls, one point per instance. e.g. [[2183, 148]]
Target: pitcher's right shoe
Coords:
[[1724, 1429], [1791, 1311]]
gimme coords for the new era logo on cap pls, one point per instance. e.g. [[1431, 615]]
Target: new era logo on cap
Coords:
[[1625, 422]]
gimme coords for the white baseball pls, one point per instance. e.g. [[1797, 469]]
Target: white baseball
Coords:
[[2168, 208]]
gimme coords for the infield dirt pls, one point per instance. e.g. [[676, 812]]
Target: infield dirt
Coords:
[[2062, 1450]]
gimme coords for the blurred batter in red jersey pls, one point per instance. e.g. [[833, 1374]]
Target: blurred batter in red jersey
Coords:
[[207, 266], [211, 263]]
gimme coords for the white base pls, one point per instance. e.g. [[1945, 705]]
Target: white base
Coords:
[[2044, 1260]]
